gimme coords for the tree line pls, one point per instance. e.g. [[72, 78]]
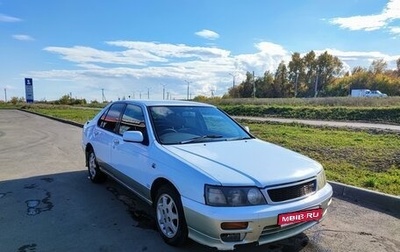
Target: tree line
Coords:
[[317, 76]]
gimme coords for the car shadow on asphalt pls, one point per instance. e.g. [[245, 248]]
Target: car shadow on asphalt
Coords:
[[145, 217], [67, 212]]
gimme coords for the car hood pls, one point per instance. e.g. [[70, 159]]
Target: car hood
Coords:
[[246, 162]]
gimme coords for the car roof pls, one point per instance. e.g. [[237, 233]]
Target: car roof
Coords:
[[149, 103]]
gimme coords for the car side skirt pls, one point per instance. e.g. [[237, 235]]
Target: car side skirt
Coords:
[[138, 189]]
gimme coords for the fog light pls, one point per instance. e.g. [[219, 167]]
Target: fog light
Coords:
[[234, 225], [235, 237]]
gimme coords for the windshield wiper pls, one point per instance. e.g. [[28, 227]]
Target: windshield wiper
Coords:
[[200, 138], [238, 138]]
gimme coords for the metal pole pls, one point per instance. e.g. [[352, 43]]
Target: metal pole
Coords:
[[5, 94], [233, 79], [254, 86], [187, 95], [316, 86], [188, 89], [103, 97], [295, 85]]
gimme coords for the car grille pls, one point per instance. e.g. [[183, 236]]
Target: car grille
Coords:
[[291, 192]]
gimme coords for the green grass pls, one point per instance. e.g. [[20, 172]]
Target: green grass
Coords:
[[364, 158], [369, 159], [392, 101], [375, 114], [75, 114]]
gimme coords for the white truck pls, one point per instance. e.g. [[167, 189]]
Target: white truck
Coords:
[[366, 93]]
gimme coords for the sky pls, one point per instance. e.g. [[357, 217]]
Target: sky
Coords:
[[161, 49]]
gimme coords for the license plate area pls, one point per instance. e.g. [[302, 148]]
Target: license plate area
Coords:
[[298, 217]]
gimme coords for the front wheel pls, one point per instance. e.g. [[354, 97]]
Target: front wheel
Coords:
[[170, 220], [95, 175]]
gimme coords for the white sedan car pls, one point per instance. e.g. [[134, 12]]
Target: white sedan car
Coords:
[[206, 176]]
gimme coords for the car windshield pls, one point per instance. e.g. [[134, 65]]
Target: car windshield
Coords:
[[193, 124]]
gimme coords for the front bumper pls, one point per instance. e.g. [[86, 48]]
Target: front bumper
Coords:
[[204, 222]]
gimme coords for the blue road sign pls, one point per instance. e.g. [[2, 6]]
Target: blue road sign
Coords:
[[29, 90]]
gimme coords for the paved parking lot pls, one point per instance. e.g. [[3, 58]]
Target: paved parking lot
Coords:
[[48, 204]]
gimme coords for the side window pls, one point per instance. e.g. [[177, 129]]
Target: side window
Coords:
[[133, 119], [110, 118]]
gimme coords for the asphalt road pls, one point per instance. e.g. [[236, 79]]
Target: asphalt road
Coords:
[[48, 204]]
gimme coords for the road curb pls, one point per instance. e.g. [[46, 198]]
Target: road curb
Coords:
[[385, 202], [53, 118]]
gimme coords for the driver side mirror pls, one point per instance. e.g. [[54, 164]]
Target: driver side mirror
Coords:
[[133, 136]]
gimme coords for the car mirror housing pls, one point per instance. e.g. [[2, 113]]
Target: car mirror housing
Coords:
[[133, 136]]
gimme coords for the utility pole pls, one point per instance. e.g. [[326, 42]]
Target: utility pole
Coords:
[[254, 86], [295, 84], [188, 89], [233, 79], [316, 86], [163, 91], [148, 93], [103, 97], [5, 94]]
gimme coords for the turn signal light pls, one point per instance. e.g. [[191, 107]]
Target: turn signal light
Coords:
[[234, 225]]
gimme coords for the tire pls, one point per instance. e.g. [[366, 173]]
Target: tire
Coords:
[[170, 219], [94, 173]]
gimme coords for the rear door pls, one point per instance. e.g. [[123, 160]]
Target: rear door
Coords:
[[105, 133]]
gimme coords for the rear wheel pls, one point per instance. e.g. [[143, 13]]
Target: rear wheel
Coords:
[[95, 175], [170, 218]]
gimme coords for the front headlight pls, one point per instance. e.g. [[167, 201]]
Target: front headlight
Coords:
[[321, 180], [233, 196]]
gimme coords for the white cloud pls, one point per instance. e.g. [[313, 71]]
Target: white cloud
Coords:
[[352, 54], [392, 9], [266, 59], [171, 50], [145, 60], [22, 37], [137, 53], [394, 30], [136, 66], [271, 48], [83, 55], [9, 19], [371, 22], [367, 23], [207, 34], [352, 59]]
